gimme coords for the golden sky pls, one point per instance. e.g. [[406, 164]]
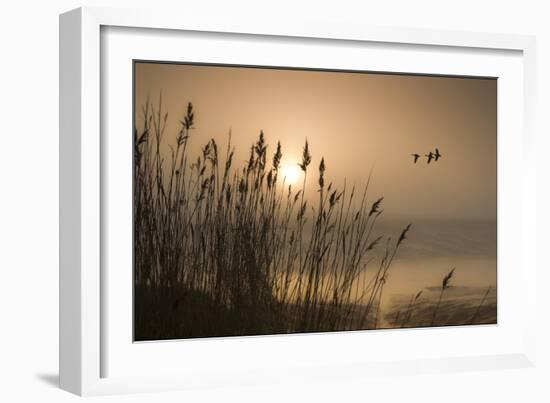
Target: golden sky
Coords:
[[356, 121]]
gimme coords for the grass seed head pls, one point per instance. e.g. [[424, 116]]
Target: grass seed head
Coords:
[[375, 206], [277, 156], [403, 235], [306, 158], [447, 279], [322, 173]]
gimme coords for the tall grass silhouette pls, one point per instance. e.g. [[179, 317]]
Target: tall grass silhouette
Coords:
[[444, 285], [223, 250]]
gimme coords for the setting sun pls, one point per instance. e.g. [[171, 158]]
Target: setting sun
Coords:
[[291, 174]]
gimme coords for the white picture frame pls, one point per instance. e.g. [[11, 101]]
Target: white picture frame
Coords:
[[86, 345]]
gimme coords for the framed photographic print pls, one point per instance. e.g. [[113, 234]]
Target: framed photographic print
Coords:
[[237, 197]]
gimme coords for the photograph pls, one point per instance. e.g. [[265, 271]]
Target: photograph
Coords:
[[271, 200]]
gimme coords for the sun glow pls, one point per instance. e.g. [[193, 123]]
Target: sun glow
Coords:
[[291, 173]]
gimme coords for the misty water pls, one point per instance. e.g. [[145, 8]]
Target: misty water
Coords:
[[432, 249]]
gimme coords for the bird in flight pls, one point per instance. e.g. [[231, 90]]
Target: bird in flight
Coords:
[[430, 157], [437, 155], [416, 157]]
